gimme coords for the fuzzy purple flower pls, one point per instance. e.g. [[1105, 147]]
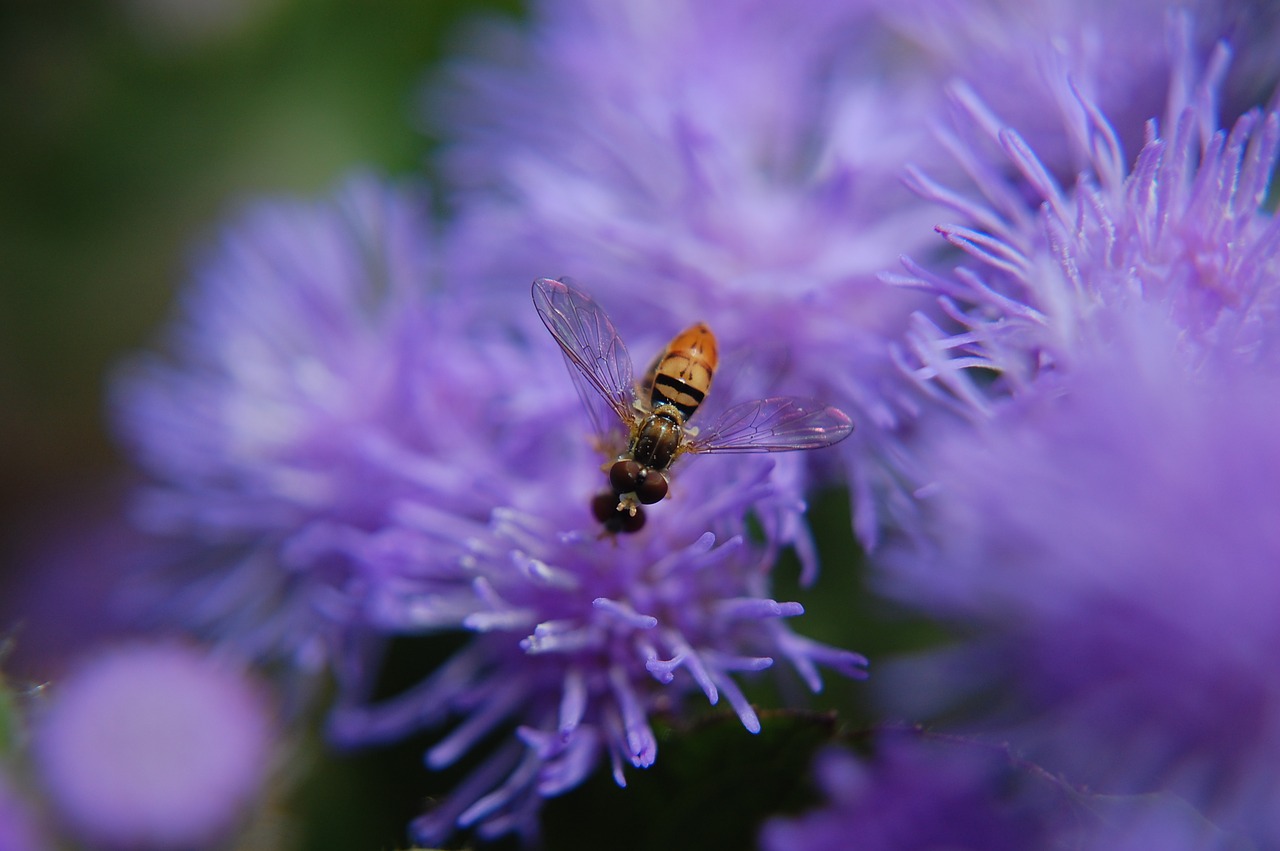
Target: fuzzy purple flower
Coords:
[[1101, 504], [579, 639], [350, 452], [20, 828], [923, 792], [735, 163], [154, 746], [1112, 537], [915, 794], [1182, 231], [1019, 57], [289, 368]]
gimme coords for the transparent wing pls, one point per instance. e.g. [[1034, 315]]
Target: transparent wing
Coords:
[[596, 353], [780, 424]]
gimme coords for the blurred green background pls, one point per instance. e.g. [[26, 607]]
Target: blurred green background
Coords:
[[127, 129]]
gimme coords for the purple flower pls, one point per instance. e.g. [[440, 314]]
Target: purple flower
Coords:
[[1020, 57], [19, 826], [347, 452], [1181, 231], [296, 358], [578, 639], [153, 746], [923, 792], [1111, 537], [734, 163], [1100, 504], [915, 794]]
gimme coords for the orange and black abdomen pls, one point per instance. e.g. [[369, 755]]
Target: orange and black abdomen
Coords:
[[683, 375]]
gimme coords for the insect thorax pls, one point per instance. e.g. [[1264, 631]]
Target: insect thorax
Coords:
[[658, 438]]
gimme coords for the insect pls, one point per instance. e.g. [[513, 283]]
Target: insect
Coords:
[[644, 426]]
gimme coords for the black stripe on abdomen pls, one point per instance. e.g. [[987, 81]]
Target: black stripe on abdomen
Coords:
[[673, 391]]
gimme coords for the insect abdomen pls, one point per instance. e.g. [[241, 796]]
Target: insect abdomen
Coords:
[[683, 375]]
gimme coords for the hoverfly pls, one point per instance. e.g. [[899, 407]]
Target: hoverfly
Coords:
[[643, 426]]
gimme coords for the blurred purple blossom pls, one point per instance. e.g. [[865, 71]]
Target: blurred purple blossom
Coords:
[[915, 794], [919, 792], [1112, 535], [20, 828], [1019, 56], [1101, 503], [154, 746], [734, 163], [292, 359], [344, 445]]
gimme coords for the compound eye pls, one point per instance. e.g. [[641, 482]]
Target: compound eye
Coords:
[[624, 476], [652, 488], [604, 507]]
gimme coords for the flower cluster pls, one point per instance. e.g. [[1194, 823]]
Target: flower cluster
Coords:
[[1182, 231], [1027, 61], [740, 165], [358, 434], [364, 455], [924, 792], [578, 641], [287, 371], [1098, 504]]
